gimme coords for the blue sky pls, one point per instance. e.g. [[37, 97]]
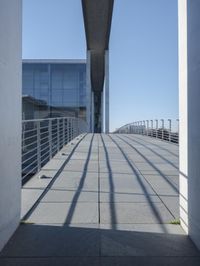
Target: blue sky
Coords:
[[143, 51]]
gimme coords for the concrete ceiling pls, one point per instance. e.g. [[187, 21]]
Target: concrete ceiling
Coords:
[[97, 20]]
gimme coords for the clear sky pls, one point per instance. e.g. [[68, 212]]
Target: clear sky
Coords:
[[143, 51]]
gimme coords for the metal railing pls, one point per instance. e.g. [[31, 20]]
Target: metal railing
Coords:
[[43, 138], [162, 129]]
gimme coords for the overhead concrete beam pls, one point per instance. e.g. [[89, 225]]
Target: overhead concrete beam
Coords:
[[97, 16], [97, 20]]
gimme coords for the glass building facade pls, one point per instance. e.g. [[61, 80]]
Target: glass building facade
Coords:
[[53, 88]]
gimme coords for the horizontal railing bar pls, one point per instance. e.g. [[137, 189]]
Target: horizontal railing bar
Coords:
[[48, 119], [44, 154], [35, 155], [30, 144], [23, 169], [29, 130], [23, 154], [34, 136], [23, 177], [47, 147], [43, 138], [153, 128]]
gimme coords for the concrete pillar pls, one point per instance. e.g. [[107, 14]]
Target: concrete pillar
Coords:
[[10, 119], [102, 112], [92, 112], [189, 109], [88, 92], [106, 91]]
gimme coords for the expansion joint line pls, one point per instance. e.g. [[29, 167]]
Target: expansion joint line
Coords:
[[98, 159]]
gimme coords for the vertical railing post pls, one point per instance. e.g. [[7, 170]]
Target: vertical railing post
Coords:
[[170, 130], [71, 129], [177, 120], [151, 128], [77, 127], [58, 134], [144, 127], [38, 146], [156, 128], [74, 128], [147, 127], [63, 124], [162, 120], [140, 123], [66, 130], [50, 137]]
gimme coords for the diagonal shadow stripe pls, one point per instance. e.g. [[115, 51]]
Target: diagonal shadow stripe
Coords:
[[28, 214], [141, 183], [80, 186], [156, 153], [152, 165], [148, 142], [112, 189]]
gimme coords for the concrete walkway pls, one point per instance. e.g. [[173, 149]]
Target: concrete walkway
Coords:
[[103, 200]]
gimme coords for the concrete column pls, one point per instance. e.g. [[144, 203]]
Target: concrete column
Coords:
[[102, 112], [189, 108], [106, 91], [10, 119], [92, 112], [88, 92]]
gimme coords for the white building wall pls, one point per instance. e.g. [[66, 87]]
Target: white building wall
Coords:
[[88, 93], [183, 115], [107, 93], [10, 118], [189, 83]]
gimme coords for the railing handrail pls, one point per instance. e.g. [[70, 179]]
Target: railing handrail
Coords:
[[40, 143], [146, 127], [52, 118]]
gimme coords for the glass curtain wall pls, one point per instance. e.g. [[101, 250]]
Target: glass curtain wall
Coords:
[[54, 90]]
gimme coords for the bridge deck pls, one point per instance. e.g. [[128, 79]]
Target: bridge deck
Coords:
[[105, 200]]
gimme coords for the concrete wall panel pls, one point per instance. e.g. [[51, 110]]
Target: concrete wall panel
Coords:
[[10, 119], [189, 97]]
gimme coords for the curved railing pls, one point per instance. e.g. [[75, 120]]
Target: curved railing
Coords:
[[43, 138], [162, 129]]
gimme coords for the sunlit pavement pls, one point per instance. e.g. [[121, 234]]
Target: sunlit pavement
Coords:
[[103, 200]]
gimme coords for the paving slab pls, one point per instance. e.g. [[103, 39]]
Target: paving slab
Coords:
[[81, 182], [52, 241], [172, 204], [127, 197], [134, 213], [38, 182], [122, 243], [53, 261], [67, 195], [55, 164], [147, 228], [81, 165], [150, 261], [64, 212], [117, 183]]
